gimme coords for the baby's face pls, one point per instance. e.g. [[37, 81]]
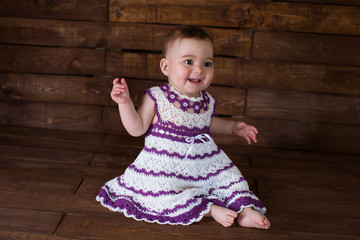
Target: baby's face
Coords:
[[189, 65]]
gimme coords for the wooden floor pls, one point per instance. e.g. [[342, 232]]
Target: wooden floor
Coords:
[[49, 180]]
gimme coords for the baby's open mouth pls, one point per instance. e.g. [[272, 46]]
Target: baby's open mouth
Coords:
[[194, 80]]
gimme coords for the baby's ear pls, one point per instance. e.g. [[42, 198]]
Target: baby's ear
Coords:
[[164, 66]]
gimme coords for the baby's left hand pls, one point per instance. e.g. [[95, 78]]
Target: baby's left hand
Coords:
[[246, 131]]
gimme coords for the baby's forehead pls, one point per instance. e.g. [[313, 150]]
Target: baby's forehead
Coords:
[[181, 39], [174, 44]]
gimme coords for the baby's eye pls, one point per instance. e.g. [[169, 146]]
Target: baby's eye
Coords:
[[188, 62], [208, 64]]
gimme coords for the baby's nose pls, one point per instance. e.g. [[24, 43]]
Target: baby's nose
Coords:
[[197, 69]]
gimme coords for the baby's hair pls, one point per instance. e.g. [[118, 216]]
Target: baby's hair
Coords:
[[183, 32]]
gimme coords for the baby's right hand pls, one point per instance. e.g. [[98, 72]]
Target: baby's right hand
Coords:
[[120, 91]]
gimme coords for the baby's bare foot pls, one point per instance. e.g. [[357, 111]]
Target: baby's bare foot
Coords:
[[252, 219], [224, 216]]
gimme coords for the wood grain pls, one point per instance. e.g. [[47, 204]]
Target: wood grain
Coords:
[[299, 47], [109, 228], [38, 181], [44, 154], [303, 77], [50, 138], [299, 160], [338, 2], [57, 89], [93, 10], [30, 221], [296, 135], [129, 36], [325, 108], [49, 202], [58, 116], [264, 15], [51, 60], [52, 32], [304, 17], [29, 235]]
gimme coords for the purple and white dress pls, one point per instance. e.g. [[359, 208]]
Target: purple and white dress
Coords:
[[180, 172]]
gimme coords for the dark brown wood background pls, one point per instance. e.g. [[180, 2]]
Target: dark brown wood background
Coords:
[[292, 68]]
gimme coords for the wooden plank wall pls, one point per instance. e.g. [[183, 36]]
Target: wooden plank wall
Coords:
[[292, 68]]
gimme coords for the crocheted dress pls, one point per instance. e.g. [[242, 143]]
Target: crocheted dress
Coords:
[[180, 172]]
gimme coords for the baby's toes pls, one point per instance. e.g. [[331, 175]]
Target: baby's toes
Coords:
[[267, 223], [230, 220], [228, 223], [264, 222], [234, 214]]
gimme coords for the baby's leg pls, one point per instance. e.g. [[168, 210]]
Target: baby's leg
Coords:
[[252, 219], [224, 216]]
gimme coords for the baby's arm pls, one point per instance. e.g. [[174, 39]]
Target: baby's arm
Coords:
[[136, 122], [222, 126]]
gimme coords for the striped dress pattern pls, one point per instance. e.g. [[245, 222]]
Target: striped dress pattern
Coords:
[[180, 172]]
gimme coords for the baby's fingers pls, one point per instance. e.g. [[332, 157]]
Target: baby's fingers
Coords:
[[254, 139], [248, 140], [252, 129], [115, 81], [119, 86], [122, 82], [255, 130], [252, 135]]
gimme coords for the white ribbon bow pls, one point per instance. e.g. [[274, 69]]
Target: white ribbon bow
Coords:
[[204, 137]]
